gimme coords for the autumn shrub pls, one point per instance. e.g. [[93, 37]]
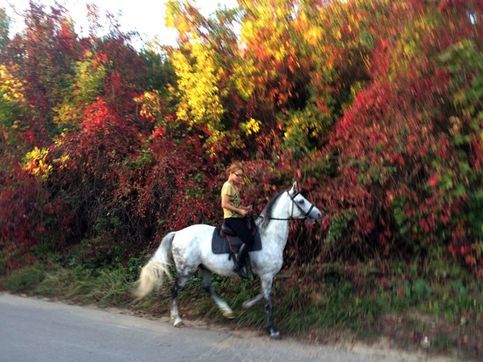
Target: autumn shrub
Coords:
[[126, 186], [86, 170], [164, 186], [87, 84], [29, 215], [408, 173]]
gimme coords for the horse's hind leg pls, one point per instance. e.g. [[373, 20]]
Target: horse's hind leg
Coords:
[[207, 287], [177, 287]]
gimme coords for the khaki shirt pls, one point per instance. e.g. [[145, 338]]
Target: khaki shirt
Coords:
[[234, 195]]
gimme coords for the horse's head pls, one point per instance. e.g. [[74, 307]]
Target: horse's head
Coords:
[[301, 207]]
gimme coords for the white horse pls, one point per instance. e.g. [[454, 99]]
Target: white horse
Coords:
[[190, 249]]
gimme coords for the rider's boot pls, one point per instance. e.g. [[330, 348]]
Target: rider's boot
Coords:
[[240, 262]]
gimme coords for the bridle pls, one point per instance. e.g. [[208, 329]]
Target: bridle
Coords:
[[305, 213]]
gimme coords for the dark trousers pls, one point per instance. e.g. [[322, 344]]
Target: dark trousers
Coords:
[[240, 227]]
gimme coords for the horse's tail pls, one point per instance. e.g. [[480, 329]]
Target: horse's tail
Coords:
[[152, 274]]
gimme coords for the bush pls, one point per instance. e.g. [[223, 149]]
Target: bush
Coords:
[[25, 280]]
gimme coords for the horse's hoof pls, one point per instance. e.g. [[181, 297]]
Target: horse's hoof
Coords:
[[229, 315], [178, 323], [274, 334]]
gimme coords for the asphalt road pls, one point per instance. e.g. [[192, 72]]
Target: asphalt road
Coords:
[[35, 330]]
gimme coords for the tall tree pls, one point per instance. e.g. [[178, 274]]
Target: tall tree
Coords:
[[4, 29], [203, 63], [44, 54]]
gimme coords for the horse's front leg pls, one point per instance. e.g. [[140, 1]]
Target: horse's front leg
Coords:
[[267, 291]]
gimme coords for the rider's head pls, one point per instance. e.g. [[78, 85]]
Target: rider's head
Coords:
[[235, 172]]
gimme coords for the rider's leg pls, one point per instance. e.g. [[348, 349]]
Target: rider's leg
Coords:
[[240, 226], [241, 261]]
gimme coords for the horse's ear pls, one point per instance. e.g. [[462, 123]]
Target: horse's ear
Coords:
[[295, 188]]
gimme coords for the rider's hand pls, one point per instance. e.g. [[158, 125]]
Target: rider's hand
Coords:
[[243, 212]]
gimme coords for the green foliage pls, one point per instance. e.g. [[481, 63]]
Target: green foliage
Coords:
[[420, 290], [465, 62], [104, 286], [107, 288], [9, 120], [305, 130], [12, 105], [88, 80], [339, 307], [339, 226], [97, 251], [160, 72], [87, 84]]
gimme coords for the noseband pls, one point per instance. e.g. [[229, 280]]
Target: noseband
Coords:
[[305, 213]]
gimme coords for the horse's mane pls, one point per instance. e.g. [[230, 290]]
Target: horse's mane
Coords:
[[267, 211]]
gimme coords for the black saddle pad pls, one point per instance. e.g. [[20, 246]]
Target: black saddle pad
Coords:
[[219, 245]]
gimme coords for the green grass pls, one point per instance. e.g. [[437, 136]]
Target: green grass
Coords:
[[25, 280]]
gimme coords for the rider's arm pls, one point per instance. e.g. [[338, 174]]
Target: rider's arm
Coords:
[[226, 204]]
